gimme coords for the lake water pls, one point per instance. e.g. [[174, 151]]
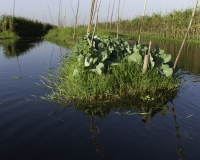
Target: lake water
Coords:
[[32, 129]]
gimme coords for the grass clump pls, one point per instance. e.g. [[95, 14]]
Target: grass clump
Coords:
[[109, 68], [8, 35]]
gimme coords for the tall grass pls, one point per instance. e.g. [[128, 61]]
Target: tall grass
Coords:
[[124, 80], [170, 25]]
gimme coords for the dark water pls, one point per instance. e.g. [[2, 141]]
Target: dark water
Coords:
[[31, 129]]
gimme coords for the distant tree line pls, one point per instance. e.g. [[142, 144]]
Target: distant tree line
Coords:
[[24, 27]]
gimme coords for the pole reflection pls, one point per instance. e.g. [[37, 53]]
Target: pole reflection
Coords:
[[179, 148], [95, 138]]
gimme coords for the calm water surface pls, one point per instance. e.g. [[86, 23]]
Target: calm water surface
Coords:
[[32, 129]]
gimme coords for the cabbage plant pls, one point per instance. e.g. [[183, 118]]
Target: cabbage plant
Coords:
[[99, 53]]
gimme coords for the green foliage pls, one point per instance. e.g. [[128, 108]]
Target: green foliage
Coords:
[[101, 68], [99, 54], [126, 80], [103, 52]]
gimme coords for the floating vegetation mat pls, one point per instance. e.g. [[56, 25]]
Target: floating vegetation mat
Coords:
[[109, 68]]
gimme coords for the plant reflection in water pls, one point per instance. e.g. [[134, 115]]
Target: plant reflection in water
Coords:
[[146, 106]]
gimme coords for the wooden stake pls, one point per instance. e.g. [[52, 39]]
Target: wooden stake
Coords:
[[146, 59]]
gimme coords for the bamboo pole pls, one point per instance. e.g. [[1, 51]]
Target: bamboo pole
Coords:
[[76, 20], [123, 8], [112, 14], [59, 23], [65, 20], [97, 13], [50, 14], [94, 13], [13, 16], [186, 34], [118, 19], [91, 16], [61, 15], [142, 21], [84, 21], [108, 15], [72, 8]]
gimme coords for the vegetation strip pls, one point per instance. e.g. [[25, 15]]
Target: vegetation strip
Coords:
[[11, 27]]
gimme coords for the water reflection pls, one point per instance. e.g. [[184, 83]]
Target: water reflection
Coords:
[[145, 106], [15, 48], [95, 138], [179, 148]]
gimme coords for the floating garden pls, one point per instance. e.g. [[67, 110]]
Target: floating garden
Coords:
[[107, 69]]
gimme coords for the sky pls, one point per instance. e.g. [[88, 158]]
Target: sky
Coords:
[[43, 9]]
